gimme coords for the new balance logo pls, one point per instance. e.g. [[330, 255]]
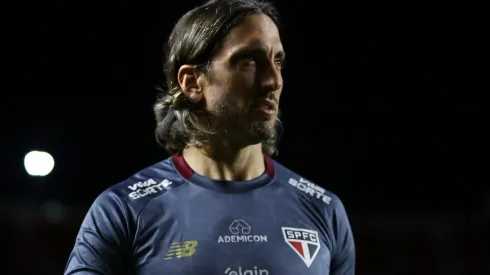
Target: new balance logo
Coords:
[[177, 250]]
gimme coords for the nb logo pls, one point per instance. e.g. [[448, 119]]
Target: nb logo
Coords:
[[177, 250]]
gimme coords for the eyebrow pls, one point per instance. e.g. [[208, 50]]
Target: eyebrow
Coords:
[[254, 49]]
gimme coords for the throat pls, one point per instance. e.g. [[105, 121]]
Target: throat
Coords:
[[247, 164]]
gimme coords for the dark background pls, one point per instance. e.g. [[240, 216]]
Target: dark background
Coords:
[[383, 105]]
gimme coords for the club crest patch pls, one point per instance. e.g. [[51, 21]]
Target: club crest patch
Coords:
[[304, 242]]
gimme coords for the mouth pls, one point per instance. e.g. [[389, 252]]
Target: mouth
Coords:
[[266, 106]]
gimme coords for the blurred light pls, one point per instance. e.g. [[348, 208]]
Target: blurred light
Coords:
[[38, 163]]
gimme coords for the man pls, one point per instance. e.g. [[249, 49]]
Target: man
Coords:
[[220, 204]]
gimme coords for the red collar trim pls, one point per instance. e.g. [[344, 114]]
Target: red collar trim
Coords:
[[186, 171]]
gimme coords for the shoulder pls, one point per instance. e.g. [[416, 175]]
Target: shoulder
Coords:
[[115, 210], [306, 188], [318, 201], [134, 192]]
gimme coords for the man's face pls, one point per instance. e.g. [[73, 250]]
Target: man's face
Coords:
[[245, 82]]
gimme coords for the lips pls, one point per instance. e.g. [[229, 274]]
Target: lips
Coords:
[[266, 108], [266, 104]]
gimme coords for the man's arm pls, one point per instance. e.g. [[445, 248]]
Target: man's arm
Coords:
[[102, 239], [344, 259]]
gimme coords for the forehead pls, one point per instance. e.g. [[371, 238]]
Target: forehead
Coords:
[[254, 30]]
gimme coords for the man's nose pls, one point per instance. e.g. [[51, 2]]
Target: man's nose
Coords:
[[271, 78]]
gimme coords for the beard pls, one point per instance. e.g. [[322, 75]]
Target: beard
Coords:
[[234, 118]]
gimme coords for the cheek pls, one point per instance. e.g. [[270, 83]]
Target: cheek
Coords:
[[236, 93], [212, 98], [240, 92], [244, 80]]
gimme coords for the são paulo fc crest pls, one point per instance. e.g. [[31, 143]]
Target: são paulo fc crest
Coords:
[[304, 242]]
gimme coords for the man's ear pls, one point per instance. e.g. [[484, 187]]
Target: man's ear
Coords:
[[188, 77]]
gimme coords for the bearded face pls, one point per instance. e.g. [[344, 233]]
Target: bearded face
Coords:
[[243, 86]]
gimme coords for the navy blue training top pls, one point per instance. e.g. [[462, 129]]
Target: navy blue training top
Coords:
[[169, 220]]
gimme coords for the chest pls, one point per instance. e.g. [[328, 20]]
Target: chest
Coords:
[[233, 239]]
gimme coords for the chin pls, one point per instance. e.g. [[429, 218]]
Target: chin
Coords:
[[263, 130]]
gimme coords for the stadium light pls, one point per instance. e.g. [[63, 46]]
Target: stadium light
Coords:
[[38, 163]]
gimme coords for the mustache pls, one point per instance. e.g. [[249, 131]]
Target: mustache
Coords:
[[271, 96]]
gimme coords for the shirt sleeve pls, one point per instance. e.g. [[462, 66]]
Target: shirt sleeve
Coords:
[[102, 241], [344, 259]]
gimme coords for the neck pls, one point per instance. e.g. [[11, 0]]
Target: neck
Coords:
[[220, 162]]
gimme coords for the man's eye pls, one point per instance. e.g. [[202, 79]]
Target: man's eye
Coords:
[[247, 61], [280, 63], [249, 58]]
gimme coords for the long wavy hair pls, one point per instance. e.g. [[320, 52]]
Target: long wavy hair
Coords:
[[195, 39]]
